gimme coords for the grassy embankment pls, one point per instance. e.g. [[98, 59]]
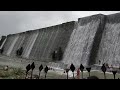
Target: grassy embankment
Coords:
[[18, 73]]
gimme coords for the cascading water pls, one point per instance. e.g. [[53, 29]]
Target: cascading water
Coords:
[[80, 44], [20, 38], [27, 52], [109, 51], [12, 45], [3, 43]]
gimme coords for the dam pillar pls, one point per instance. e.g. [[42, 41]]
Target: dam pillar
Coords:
[[97, 40]]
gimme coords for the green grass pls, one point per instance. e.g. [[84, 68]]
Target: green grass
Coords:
[[12, 73], [100, 75], [18, 73]]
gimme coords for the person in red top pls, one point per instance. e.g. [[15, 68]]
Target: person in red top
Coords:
[[78, 73]]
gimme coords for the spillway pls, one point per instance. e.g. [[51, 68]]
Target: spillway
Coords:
[[79, 47], [109, 50], [86, 41]]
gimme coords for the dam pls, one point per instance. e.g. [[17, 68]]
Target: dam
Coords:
[[87, 41]]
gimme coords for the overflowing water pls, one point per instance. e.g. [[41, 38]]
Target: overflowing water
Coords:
[[3, 43], [109, 51], [15, 38], [80, 44], [27, 52]]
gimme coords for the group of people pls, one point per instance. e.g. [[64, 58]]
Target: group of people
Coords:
[[72, 68], [108, 66]]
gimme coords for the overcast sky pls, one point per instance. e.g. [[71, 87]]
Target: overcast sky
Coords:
[[19, 21]]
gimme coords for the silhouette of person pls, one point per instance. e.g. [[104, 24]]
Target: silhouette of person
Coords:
[[99, 62]]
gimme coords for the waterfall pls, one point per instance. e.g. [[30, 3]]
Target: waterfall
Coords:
[[33, 53], [20, 38], [7, 44], [3, 43], [80, 43], [48, 39], [15, 38], [33, 38], [109, 51]]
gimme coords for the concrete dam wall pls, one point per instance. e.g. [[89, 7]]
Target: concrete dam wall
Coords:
[[2, 41], [39, 44], [85, 41]]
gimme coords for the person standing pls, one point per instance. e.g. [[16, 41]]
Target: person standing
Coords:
[[78, 73], [99, 62]]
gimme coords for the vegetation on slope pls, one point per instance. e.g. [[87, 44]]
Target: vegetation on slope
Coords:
[[18, 73]]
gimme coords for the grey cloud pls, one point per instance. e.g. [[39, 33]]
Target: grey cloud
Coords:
[[19, 21], [43, 19]]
